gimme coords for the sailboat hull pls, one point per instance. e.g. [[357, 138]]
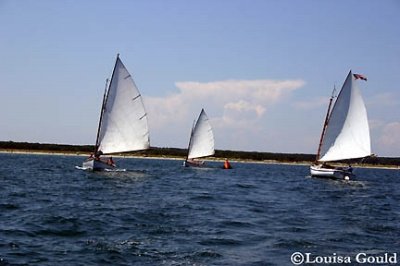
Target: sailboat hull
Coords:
[[97, 165], [332, 173], [193, 163]]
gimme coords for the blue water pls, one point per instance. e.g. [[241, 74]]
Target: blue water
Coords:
[[159, 213]]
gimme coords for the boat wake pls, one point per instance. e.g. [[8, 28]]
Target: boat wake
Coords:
[[354, 183], [338, 181], [104, 170], [202, 168], [81, 168], [115, 170]]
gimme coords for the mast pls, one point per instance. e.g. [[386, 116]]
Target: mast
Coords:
[[190, 140], [104, 105], [101, 117], [325, 124]]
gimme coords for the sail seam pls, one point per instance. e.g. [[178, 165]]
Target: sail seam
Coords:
[[143, 116]]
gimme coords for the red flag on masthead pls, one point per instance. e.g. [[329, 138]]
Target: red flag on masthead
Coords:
[[359, 76]]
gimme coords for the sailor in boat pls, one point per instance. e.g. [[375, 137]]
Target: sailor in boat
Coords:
[[110, 161], [227, 165], [96, 157], [328, 166], [93, 157]]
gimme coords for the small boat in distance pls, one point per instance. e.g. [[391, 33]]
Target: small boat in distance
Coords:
[[201, 143], [345, 134], [123, 123]]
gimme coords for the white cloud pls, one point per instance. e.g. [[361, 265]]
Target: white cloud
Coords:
[[234, 90], [244, 106], [243, 109], [230, 104]]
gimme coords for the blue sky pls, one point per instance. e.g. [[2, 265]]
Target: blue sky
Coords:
[[263, 70]]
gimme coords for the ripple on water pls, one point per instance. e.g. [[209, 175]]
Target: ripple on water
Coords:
[[159, 213]]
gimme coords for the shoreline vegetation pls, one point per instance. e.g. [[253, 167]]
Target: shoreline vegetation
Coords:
[[178, 153]]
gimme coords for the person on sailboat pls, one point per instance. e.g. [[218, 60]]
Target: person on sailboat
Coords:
[[227, 165], [350, 168], [110, 161], [90, 158], [97, 155]]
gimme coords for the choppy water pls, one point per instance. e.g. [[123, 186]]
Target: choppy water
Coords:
[[159, 213]]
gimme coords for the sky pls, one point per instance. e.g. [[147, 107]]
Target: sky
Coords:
[[263, 70]]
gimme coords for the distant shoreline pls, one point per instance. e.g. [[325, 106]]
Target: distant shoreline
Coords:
[[180, 154], [165, 157]]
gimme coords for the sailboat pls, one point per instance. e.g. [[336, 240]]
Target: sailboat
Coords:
[[345, 134], [201, 143], [123, 123]]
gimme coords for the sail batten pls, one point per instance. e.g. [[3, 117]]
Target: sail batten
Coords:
[[202, 138], [347, 133], [123, 124]]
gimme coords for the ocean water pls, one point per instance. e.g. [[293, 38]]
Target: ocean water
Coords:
[[159, 213]]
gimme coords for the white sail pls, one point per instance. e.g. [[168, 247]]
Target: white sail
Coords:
[[123, 125], [347, 132], [202, 139]]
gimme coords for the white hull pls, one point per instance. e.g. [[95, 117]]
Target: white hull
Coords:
[[333, 173], [96, 165]]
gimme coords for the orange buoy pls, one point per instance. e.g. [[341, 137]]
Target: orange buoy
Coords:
[[227, 165]]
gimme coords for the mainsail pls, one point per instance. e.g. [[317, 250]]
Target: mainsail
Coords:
[[347, 132], [123, 124], [202, 139]]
